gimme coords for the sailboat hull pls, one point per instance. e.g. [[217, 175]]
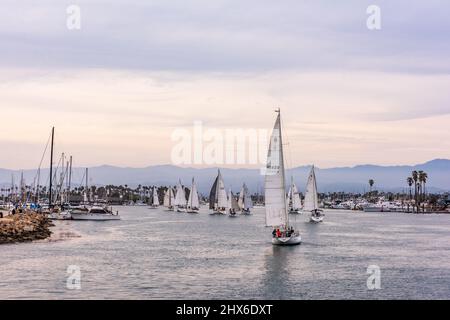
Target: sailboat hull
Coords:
[[287, 241], [65, 215], [294, 212], [94, 217], [218, 212], [193, 211], [316, 219]]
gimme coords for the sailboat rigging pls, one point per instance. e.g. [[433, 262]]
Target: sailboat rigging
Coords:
[[277, 214]]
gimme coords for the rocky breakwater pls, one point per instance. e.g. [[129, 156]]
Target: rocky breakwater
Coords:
[[24, 227]]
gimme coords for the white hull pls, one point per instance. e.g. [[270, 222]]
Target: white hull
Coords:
[[287, 241], [95, 216], [295, 212], [316, 219], [60, 216], [216, 212], [193, 211], [376, 209]]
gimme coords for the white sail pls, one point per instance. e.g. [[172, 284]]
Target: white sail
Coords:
[[245, 201], [294, 197], [311, 196], [180, 197], [241, 198], [168, 198], [222, 198], [193, 201], [232, 202], [155, 197], [275, 186]]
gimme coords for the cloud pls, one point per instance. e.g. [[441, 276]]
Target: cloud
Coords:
[[228, 36], [126, 117]]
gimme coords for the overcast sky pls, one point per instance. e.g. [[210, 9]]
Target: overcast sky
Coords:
[[138, 70]]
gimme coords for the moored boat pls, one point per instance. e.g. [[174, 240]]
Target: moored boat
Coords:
[[96, 213]]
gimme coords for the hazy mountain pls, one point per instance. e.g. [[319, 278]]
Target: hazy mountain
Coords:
[[349, 179]]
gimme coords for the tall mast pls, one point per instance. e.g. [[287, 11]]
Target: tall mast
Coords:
[[282, 165], [87, 192], [51, 170], [70, 179]]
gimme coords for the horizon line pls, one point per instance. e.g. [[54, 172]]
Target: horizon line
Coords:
[[234, 168]]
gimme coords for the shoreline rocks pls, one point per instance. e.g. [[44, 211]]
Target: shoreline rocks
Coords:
[[24, 227]]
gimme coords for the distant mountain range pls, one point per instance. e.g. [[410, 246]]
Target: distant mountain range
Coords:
[[347, 179]]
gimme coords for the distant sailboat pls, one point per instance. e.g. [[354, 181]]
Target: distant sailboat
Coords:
[[245, 200], [294, 202], [233, 206], [193, 205], [277, 214], [154, 199], [312, 198], [218, 199], [180, 198], [169, 199]]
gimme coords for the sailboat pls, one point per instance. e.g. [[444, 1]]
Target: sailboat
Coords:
[[218, 199], [180, 198], [245, 201], [54, 213], [193, 204], [312, 199], [154, 199], [277, 214], [233, 206], [294, 202], [169, 199]]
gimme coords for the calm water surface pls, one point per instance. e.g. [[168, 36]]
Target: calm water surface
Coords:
[[153, 254]]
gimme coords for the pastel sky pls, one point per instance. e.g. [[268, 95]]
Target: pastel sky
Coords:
[[137, 70]]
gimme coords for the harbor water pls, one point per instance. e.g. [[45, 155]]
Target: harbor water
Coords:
[[154, 254]]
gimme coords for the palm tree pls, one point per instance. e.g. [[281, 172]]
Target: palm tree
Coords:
[[423, 176], [415, 176], [410, 182], [371, 183]]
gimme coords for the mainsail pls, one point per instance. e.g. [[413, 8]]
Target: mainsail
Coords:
[[218, 196], [245, 200], [169, 198], [275, 186], [232, 202], [155, 197], [213, 195], [294, 197], [193, 201], [311, 196], [180, 198]]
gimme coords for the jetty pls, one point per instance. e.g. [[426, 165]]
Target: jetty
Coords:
[[24, 227]]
